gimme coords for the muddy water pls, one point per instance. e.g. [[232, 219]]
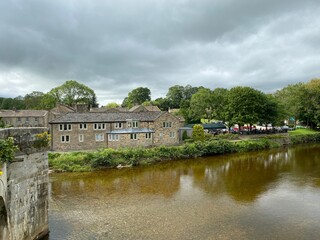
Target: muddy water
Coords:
[[265, 195]]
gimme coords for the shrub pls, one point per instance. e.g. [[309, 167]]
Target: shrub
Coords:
[[198, 133]]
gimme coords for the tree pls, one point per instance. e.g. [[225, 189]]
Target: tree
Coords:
[[198, 133], [112, 105], [33, 100], [245, 105], [291, 98], [309, 107], [72, 93], [201, 104], [175, 95], [136, 97], [220, 103]]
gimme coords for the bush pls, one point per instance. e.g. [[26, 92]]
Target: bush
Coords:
[[198, 133]]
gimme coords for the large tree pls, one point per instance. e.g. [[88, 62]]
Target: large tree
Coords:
[[34, 100], [72, 93], [201, 105], [137, 96], [246, 105]]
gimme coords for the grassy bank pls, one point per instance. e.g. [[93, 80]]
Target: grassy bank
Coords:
[[109, 158]]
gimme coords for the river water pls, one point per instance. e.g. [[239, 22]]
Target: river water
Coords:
[[259, 195]]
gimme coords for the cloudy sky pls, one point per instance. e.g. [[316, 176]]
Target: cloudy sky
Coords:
[[115, 46]]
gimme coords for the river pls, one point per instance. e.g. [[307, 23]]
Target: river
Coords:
[[271, 194]]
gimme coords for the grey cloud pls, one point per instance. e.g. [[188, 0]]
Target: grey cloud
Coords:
[[115, 46]]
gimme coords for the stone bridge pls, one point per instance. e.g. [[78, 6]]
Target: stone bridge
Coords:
[[24, 188]]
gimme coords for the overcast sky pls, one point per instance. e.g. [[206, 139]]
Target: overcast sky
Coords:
[[116, 46]]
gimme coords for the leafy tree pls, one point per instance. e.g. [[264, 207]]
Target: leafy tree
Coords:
[[309, 107], [198, 133], [72, 93], [201, 104], [33, 100], [112, 105], [290, 98], [162, 103], [12, 103], [175, 95], [245, 105], [136, 97], [220, 103]]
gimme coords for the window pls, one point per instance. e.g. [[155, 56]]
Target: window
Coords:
[[65, 138], [118, 125], [148, 135], [19, 119], [36, 119], [172, 134], [132, 124], [99, 126], [81, 138], [99, 137], [65, 127], [133, 136], [166, 124], [113, 137], [27, 119], [83, 126]]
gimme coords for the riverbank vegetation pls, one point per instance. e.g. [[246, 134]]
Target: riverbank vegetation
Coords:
[[128, 157]]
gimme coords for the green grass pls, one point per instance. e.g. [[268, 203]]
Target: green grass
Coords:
[[302, 131]]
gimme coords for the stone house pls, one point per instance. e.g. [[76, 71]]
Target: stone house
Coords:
[[24, 118], [92, 130]]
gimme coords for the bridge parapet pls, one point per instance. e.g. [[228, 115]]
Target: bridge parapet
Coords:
[[24, 188]]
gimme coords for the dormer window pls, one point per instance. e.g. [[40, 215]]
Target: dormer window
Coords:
[[132, 124]]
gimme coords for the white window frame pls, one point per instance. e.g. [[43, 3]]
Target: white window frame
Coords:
[[133, 136], [65, 127], [99, 137], [148, 135], [81, 138], [99, 126], [118, 125], [167, 124], [83, 126], [172, 134], [132, 123], [135, 124], [113, 137], [65, 138]]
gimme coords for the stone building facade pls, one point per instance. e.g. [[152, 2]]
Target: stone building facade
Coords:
[[24, 118], [85, 131]]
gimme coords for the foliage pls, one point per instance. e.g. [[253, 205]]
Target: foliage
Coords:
[[7, 150], [137, 97], [12, 103], [2, 123], [72, 93], [42, 140], [305, 138], [185, 135], [112, 105], [86, 161], [198, 133], [201, 104]]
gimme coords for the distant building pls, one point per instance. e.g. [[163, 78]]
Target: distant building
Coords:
[[24, 118], [94, 130]]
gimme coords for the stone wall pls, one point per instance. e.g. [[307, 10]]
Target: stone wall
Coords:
[[25, 188]]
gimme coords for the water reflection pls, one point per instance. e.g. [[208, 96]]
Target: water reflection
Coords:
[[244, 177], [258, 188]]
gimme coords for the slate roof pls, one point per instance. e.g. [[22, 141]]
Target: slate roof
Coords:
[[23, 113], [91, 117]]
